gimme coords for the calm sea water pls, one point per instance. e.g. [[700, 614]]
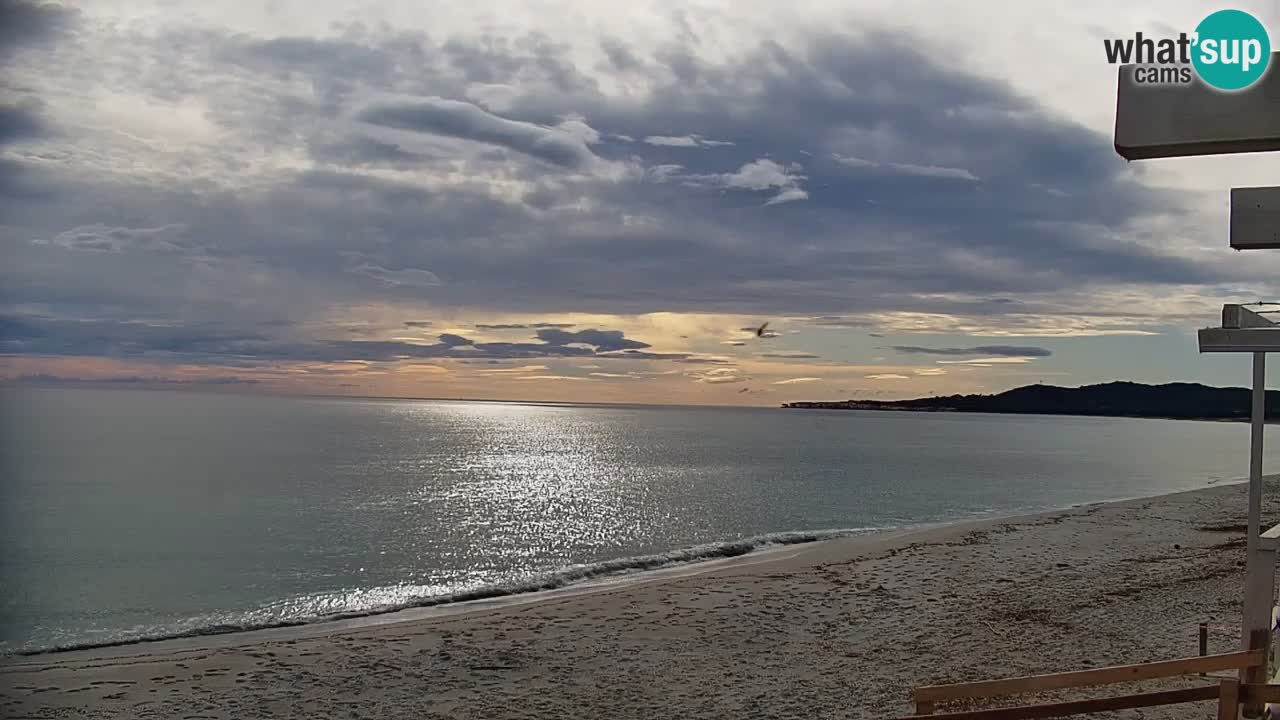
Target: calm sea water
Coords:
[[132, 514]]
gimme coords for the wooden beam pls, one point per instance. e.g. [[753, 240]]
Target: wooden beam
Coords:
[[1160, 121], [1240, 340], [1080, 707], [1255, 218], [1099, 676], [1260, 693]]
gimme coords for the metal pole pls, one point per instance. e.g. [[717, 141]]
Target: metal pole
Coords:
[[1259, 582], [1255, 450]]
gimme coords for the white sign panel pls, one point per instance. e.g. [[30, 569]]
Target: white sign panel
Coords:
[[1160, 121], [1255, 217]]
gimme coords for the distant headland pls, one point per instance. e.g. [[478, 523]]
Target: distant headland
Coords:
[[1179, 401]]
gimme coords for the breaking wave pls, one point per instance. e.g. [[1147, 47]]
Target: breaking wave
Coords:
[[553, 580]]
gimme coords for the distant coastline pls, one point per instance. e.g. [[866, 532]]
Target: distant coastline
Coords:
[[1172, 401]]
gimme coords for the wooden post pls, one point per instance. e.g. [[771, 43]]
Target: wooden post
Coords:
[[1229, 700], [1204, 639], [1256, 674]]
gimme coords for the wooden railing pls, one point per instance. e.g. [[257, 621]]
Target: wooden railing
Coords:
[[1229, 692]]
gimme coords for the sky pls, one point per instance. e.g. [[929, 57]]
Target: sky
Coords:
[[585, 201]]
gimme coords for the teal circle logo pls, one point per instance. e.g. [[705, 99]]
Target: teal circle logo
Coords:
[[1232, 50]]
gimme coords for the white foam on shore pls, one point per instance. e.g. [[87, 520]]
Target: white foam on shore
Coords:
[[578, 578]]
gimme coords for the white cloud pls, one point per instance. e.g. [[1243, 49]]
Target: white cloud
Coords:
[[452, 118], [796, 381], [669, 141], [518, 370], [908, 168], [718, 376], [887, 376], [581, 130], [410, 277], [766, 174], [685, 141], [789, 195]]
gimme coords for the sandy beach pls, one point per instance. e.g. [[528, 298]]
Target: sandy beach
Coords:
[[840, 629]]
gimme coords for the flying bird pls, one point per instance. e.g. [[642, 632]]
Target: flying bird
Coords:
[[764, 332]]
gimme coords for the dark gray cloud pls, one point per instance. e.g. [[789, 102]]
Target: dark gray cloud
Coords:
[[602, 340], [21, 121], [943, 198], [49, 379], [418, 323], [224, 344], [981, 350], [29, 23]]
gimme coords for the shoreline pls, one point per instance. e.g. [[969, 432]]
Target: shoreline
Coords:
[[838, 628], [595, 577], [1241, 420]]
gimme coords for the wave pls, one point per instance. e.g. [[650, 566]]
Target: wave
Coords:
[[553, 580]]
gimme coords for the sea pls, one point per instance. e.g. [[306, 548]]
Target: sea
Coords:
[[128, 515]]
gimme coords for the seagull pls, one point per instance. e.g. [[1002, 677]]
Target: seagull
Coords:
[[764, 332]]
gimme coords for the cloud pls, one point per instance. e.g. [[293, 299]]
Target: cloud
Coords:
[[837, 321], [887, 376], [453, 186], [602, 340], [934, 171], [703, 359], [521, 369], [670, 141], [617, 376], [684, 141], [988, 361], [23, 24], [21, 121], [581, 130], [760, 175], [139, 380], [457, 119], [101, 238], [520, 326], [718, 376], [551, 377], [797, 381], [225, 344], [787, 195], [417, 323], [788, 354], [409, 277], [993, 350]]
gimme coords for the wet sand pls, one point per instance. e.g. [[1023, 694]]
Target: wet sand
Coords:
[[839, 629]]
